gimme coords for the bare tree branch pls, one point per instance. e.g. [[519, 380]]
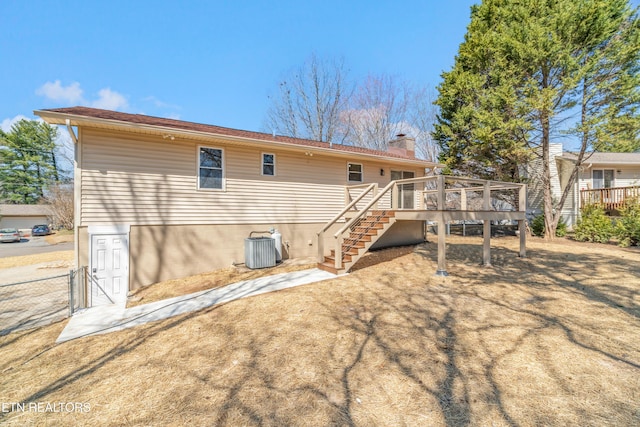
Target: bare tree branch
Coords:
[[308, 102]]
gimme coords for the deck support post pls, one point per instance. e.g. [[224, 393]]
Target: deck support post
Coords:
[[486, 245], [486, 230], [338, 252], [320, 255], [442, 246], [523, 238], [522, 203]]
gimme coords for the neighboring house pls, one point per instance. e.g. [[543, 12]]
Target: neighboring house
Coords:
[[605, 178], [158, 199], [23, 216]]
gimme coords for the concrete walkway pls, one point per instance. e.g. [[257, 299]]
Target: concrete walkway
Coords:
[[111, 318]]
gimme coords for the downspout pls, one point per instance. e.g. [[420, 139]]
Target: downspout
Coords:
[[77, 185], [71, 132]]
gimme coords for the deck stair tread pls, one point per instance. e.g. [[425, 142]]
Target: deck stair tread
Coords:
[[364, 234]]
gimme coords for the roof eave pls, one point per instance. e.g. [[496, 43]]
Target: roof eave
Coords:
[[600, 162], [58, 118]]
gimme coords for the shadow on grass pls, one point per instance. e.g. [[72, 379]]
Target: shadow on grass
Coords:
[[437, 346]]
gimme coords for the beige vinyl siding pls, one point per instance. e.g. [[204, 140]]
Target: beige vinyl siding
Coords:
[[150, 180]]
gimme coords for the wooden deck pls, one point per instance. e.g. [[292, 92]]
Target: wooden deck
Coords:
[[442, 199]]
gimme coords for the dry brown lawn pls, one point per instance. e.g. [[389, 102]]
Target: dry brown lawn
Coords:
[[65, 257], [60, 236], [548, 340], [214, 279]]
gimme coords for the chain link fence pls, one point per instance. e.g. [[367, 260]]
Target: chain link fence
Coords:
[[39, 302]]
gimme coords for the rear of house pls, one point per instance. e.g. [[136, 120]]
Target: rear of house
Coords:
[[158, 199]]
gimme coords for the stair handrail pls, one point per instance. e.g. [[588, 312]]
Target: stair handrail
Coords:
[[348, 207], [338, 235], [320, 234], [365, 209], [379, 196], [338, 239]]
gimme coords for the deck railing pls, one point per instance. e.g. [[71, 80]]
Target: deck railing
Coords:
[[610, 199], [434, 186]]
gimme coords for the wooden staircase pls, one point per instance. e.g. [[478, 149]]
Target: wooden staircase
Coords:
[[364, 233]]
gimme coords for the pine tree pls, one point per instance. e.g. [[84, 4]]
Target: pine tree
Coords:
[[27, 162], [524, 69]]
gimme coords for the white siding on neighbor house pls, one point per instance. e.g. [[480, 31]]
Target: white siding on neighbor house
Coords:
[[138, 179], [535, 190], [569, 209], [584, 179], [627, 177]]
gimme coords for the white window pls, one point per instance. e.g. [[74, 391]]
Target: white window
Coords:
[[210, 168], [354, 170], [603, 178], [268, 164]]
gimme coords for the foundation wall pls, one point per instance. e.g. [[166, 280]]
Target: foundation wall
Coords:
[[159, 253]]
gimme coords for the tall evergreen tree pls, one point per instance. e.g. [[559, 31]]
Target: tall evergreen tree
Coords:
[[27, 161], [609, 89], [524, 69]]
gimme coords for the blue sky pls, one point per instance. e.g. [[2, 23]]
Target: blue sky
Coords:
[[212, 62]]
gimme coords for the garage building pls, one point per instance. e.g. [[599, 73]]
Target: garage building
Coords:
[[23, 216]]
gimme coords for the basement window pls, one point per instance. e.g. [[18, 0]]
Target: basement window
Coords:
[[354, 171], [210, 169]]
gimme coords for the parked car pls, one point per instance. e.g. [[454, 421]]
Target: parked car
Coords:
[[10, 235], [40, 230]]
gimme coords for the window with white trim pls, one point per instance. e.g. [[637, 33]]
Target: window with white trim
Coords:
[[268, 164], [210, 168], [354, 172]]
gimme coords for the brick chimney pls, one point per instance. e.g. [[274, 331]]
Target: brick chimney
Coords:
[[403, 145]]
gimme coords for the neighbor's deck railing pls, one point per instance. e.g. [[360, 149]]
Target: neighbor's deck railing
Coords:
[[609, 199]]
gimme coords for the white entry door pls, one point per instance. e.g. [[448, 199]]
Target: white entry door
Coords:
[[109, 269]]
